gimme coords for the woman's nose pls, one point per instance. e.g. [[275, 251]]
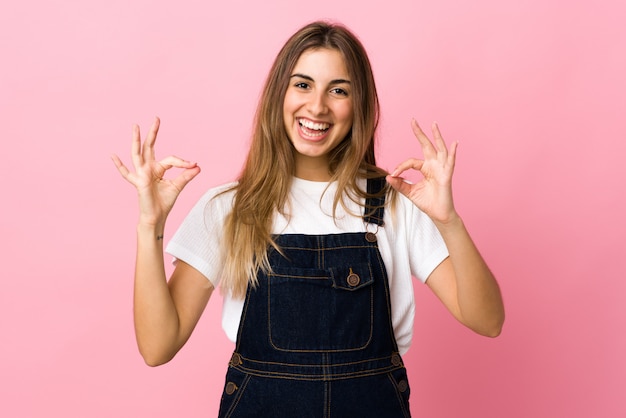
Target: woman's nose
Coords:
[[317, 104]]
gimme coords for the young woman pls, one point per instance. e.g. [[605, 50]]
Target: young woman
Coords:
[[314, 246]]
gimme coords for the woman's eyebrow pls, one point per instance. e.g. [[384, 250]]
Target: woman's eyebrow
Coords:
[[307, 77]]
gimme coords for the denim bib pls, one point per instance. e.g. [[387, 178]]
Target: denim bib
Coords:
[[315, 337]]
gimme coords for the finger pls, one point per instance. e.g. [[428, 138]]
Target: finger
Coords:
[[135, 151], [411, 163], [148, 145], [452, 154], [439, 142], [120, 166], [174, 161], [427, 147]]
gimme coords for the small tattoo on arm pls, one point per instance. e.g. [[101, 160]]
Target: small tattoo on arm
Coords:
[[159, 237]]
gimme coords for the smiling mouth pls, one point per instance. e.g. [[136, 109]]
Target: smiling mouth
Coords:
[[313, 128]]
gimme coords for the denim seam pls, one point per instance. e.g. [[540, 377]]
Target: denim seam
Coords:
[[398, 394], [233, 407], [269, 316], [324, 361], [321, 377]]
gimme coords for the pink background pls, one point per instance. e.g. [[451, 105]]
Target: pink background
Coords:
[[535, 92]]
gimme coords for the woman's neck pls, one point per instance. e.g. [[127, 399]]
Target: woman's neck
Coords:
[[313, 169]]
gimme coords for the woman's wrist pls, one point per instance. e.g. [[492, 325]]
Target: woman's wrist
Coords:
[[151, 229], [453, 223]]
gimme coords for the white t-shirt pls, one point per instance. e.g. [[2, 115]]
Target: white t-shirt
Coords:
[[409, 243]]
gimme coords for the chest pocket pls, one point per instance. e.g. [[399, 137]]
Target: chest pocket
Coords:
[[321, 310]]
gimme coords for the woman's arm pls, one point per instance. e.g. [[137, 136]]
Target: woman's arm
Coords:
[[165, 313], [465, 285], [463, 281]]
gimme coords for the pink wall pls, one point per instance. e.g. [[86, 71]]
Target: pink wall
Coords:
[[535, 92]]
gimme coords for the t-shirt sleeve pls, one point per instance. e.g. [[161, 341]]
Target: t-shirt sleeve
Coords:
[[197, 240], [426, 246]]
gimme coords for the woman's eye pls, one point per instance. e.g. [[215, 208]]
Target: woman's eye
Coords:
[[301, 85], [339, 91]]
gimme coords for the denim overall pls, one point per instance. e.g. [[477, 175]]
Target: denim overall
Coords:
[[315, 337]]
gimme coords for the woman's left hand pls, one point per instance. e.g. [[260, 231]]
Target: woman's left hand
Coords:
[[433, 193]]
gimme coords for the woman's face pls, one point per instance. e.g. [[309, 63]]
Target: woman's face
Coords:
[[317, 110]]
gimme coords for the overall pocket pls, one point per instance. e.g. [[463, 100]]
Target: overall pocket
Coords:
[[321, 310]]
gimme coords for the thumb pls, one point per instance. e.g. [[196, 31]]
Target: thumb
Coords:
[[399, 184], [185, 177]]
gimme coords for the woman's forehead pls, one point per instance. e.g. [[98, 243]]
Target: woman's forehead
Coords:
[[323, 62]]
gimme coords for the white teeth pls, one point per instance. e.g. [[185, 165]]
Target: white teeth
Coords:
[[314, 126]]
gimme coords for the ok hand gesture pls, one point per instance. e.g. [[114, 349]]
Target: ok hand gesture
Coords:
[[156, 193], [433, 193]]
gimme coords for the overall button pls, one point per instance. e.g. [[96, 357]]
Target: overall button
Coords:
[[396, 360], [370, 237], [403, 386], [230, 388], [235, 360], [353, 279]]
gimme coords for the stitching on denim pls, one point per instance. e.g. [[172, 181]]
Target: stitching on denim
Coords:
[[399, 395], [325, 370], [338, 350], [320, 253], [318, 377], [327, 399], [330, 371], [383, 272], [323, 361], [296, 276], [243, 318], [303, 350], [235, 403], [341, 247]]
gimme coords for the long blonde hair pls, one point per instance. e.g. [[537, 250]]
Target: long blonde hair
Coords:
[[263, 185]]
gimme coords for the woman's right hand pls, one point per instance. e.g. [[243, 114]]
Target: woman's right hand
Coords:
[[156, 193]]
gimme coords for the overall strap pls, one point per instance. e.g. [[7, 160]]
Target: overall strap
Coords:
[[374, 186]]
